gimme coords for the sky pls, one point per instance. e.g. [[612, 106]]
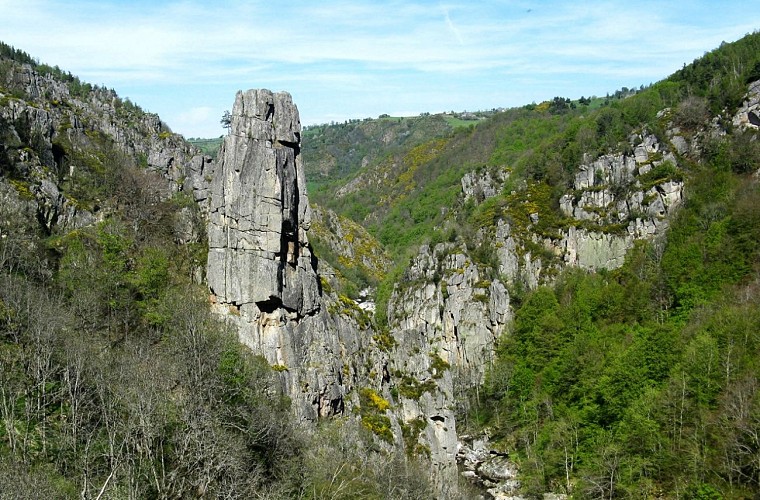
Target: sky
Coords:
[[342, 60]]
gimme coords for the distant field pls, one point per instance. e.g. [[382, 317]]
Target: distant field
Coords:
[[207, 146], [391, 118], [452, 121], [455, 122]]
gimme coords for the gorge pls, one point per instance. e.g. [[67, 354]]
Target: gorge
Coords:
[[507, 304]]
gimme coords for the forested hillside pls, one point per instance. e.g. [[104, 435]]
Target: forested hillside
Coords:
[[643, 381], [635, 382]]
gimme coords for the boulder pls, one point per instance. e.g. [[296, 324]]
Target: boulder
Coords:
[[748, 115], [499, 469]]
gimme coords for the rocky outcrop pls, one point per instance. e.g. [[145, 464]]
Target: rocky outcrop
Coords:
[[748, 115], [489, 469], [482, 184], [51, 127], [261, 271], [53, 108], [259, 257], [625, 198], [594, 249], [445, 317], [450, 300]]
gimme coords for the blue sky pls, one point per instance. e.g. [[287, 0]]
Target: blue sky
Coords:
[[354, 59]]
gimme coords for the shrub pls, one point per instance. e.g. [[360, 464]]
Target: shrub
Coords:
[[692, 113]]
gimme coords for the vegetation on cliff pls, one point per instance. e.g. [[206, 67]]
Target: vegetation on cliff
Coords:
[[115, 378], [642, 381], [636, 382]]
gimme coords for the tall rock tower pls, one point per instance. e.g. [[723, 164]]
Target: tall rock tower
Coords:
[[259, 259], [263, 280], [260, 271]]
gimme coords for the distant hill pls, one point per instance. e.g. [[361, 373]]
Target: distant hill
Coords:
[[338, 150]]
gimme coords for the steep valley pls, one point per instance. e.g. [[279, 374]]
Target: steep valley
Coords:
[[552, 301]]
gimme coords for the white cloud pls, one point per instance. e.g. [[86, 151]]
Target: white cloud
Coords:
[[325, 51]]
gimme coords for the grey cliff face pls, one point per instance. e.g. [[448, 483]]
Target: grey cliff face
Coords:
[[264, 283], [748, 115], [63, 121], [259, 255], [261, 272]]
